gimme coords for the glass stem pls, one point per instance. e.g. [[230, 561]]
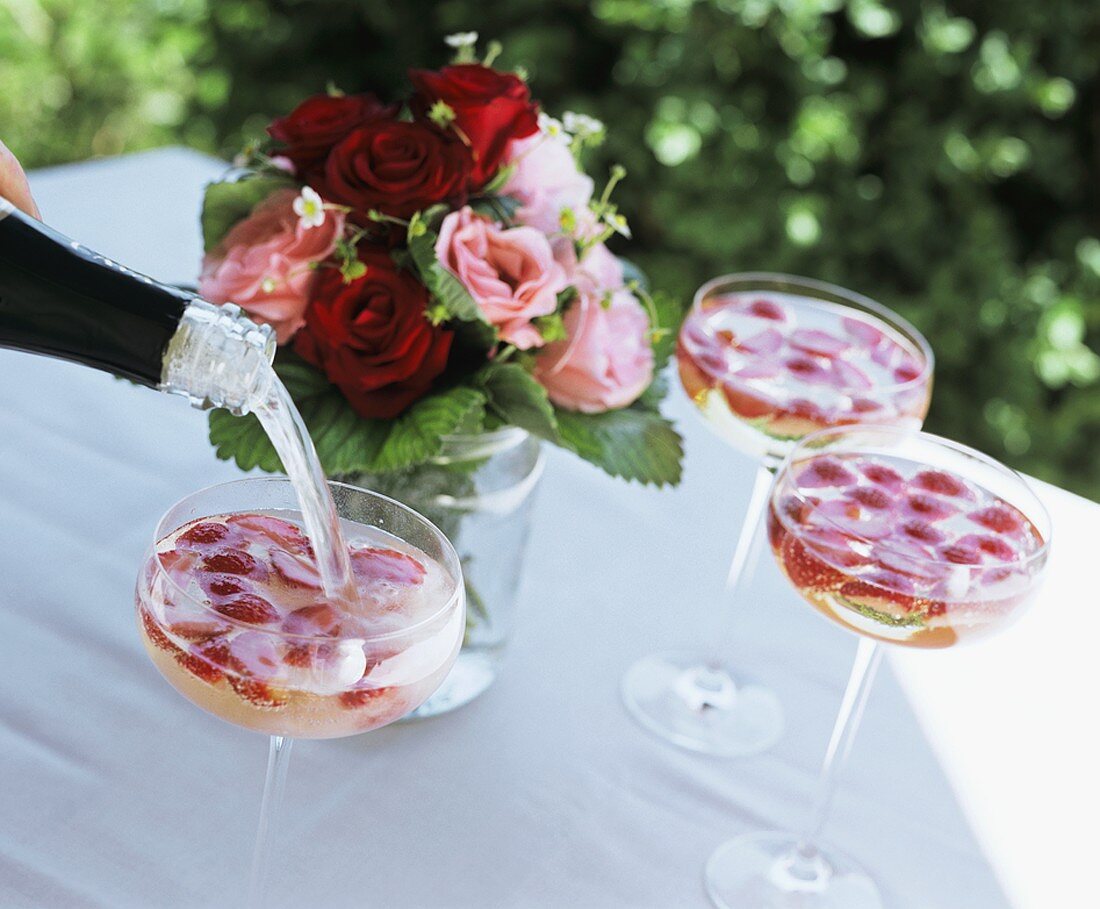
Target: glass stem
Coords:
[[278, 757], [746, 555], [806, 863]]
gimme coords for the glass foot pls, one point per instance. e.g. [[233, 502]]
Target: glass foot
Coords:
[[768, 871], [698, 705]]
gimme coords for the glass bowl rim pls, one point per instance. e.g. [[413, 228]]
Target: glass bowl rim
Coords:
[[892, 319], [784, 470], [452, 555]]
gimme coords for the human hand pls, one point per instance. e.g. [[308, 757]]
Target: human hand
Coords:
[[13, 183]]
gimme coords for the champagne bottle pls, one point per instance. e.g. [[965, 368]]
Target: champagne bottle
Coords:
[[59, 299]]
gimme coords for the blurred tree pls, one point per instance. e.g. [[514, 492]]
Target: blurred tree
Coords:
[[943, 157]]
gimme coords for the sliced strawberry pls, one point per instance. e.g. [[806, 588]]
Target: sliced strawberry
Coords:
[[386, 565], [923, 532], [766, 342], [231, 561], [928, 508], [991, 546], [220, 654], [870, 497], [864, 332], [767, 309], [300, 655], [816, 341], [808, 370], [222, 585], [198, 631], [883, 475], [320, 618], [865, 405], [199, 667], [747, 403], [258, 693], [849, 377], [805, 570], [855, 520], [696, 382], [202, 534], [886, 597], [155, 633], [998, 518], [360, 697], [247, 607], [940, 482], [908, 558], [295, 570], [907, 372], [961, 555], [823, 471], [759, 368]]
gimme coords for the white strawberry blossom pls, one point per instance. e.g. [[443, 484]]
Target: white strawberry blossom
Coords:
[[310, 208], [460, 40], [581, 124]]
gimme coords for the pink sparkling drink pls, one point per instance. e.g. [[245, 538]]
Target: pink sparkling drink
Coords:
[[768, 368], [231, 611], [900, 551]]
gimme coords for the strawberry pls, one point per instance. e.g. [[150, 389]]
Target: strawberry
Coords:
[[154, 632], [885, 596], [907, 372], [198, 631], [807, 369], [199, 667], [766, 342], [805, 569], [816, 341], [222, 585], [696, 382], [386, 565], [202, 534], [247, 607], [258, 693], [295, 571], [940, 482], [320, 618], [360, 697], [824, 470], [221, 655], [923, 531], [870, 497], [862, 331], [882, 475], [865, 405], [990, 545], [767, 309], [747, 403], [851, 378], [929, 508], [998, 518], [230, 561], [961, 555]]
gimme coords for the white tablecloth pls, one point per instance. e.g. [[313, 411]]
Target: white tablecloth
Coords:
[[117, 792]]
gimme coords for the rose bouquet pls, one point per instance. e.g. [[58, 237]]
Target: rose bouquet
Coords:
[[437, 266]]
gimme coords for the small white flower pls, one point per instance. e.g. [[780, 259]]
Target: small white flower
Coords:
[[581, 124], [310, 208], [618, 224], [549, 126], [460, 40], [268, 285]]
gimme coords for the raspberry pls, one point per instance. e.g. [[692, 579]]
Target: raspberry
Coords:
[[247, 607]]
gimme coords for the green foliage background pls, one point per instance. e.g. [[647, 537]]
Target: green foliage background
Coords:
[[943, 157]]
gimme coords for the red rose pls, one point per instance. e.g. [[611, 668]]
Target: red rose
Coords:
[[397, 168], [490, 108], [372, 337], [318, 123]]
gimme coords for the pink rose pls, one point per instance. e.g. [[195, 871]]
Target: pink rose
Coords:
[[546, 180], [598, 267], [511, 273], [606, 362], [263, 263]]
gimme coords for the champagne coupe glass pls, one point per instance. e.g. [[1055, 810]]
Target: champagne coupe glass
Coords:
[[904, 538], [768, 359], [230, 609]]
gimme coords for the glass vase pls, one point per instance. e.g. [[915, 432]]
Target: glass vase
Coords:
[[479, 491]]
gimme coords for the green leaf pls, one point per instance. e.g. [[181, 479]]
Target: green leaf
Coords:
[[634, 443], [227, 203], [516, 398], [346, 442], [499, 208], [417, 434], [444, 287]]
